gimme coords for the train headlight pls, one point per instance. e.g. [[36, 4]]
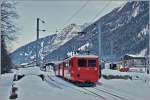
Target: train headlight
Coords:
[[78, 68], [95, 69], [72, 72]]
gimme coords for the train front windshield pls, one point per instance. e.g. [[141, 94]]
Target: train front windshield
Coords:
[[82, 62], [86, 63], [91, 63]]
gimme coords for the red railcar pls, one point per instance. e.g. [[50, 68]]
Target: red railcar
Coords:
[[79, 68]]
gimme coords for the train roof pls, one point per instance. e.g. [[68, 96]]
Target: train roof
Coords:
[[85, 56], [78, 56]]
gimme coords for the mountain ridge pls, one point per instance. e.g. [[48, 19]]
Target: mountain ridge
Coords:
[[123, 30]]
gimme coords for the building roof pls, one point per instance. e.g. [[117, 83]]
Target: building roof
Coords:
[[131, 56]]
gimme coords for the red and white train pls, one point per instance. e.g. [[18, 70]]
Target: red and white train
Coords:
[[79, 69]]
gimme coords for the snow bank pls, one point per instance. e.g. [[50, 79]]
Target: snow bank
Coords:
[[133, 75], [5, 86], [33, 88], [131, 89], [29, 71]]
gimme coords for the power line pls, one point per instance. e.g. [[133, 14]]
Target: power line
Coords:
[[106, 5], [77, 11]]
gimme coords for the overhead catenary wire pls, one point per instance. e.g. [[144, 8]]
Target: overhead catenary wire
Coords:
[[101, 10], [76, 12], [98, 26], [83, 6], [72, 16], [94, 20], [106, 5]]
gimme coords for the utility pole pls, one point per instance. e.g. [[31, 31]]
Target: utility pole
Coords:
[[37, 44], [37, 40], [111, 48], [99, 39], [0, 64]]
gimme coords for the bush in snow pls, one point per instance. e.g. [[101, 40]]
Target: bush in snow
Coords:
[[117, 77]]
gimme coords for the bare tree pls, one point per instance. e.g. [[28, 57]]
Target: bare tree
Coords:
[[8, 30]]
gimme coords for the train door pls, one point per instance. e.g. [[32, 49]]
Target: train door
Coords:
[[57, 70], [61, 69], [67, 70]]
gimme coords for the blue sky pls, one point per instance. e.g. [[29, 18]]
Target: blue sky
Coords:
[[55, 14]]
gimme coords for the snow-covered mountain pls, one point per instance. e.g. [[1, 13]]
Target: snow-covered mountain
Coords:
[[27, 52], [123, 30], [126, 29], [63, 36], [46, 45]]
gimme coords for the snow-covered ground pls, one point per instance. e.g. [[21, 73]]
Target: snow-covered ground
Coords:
[[130, 89], [31, 87], [29, 71], [5, 86], [136, 89], [135, 75]]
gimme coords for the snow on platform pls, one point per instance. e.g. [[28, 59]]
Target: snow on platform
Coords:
[[29, 71], [33, 88]]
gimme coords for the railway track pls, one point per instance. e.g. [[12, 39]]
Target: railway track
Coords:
[[52, 84], [94, 93], [86, 91], [56, 82], [110, 93], [106, 88]]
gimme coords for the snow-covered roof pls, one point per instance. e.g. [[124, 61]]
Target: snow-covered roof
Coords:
[[131, 55], [138, 55], [23, 64]]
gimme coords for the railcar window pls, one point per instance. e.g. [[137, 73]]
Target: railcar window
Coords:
[[64, 64], [69, 62], [82, 62], [91, 63]]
